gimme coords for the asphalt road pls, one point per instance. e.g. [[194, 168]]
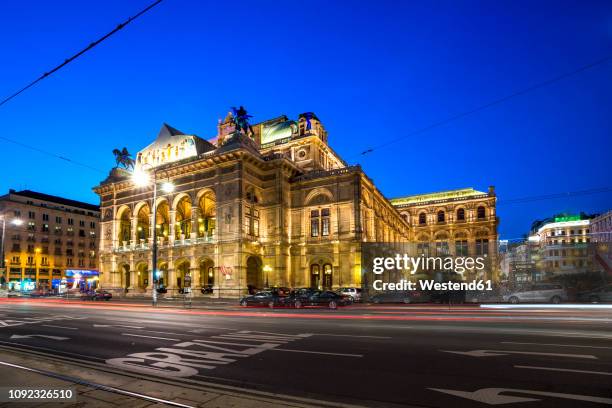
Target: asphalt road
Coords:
[[371, 356]]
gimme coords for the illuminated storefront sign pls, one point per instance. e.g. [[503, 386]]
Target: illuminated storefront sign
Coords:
[[567, 218]]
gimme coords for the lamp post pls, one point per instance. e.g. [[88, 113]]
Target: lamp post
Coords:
[[15, 221], [141, 178]]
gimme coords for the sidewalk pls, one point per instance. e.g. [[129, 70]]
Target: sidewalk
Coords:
[[90, 396]]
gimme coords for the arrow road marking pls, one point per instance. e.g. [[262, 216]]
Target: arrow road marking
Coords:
[[492, 353], [118, 325], [569, 370], [491, 396], [29, 336]]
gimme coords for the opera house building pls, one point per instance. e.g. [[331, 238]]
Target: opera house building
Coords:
[[273, 207]]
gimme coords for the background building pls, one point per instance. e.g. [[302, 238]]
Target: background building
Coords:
[[457, 222], [601, 233], [563, 244], [44, 235]]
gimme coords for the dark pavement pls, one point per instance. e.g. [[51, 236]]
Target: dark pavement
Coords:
[[431, 356]]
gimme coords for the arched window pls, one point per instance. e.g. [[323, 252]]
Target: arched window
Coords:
[[422, 219], [441, 216], [315, 276], [144, 217], [207, 219], [327, 276], [481, 213], [461, 214], [183, 218]]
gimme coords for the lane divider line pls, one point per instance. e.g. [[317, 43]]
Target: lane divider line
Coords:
[[569, 370], [149, 337]]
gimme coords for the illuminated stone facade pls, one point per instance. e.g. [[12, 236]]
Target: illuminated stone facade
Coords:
[[277, 209], [286, 213], [457, 222]]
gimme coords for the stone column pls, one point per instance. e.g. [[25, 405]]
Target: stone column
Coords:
[[195, 281], [195, 215], [172, 231], [134, 232]]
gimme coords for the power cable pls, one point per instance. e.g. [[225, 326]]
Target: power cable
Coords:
[[489, 104], [57, 68], [556, 196], [83, 51]]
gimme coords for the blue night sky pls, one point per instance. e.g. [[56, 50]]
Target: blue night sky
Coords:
[[372, 72]]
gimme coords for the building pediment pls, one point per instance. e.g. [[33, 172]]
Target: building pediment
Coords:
[[171, 145]]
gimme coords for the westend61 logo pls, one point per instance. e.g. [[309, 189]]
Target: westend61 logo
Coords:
[[407, 266]]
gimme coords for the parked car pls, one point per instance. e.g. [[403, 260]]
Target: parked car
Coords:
[[326, 298], [281, 290], [162, 290], [265, 298], [96, 295], [388, 297], [40, 292], [447, 296], [412, 296], [353, 293], [539, 292], [601, 294], [483, 296]]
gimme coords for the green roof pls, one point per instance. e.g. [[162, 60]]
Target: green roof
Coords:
[[441, 195]]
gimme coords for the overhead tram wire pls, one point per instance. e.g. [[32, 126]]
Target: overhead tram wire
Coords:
[[83, 51], [495, 102], [57, 68], [57, 156], [556, 196]]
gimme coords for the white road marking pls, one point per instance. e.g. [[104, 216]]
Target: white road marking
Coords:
[[163, 332], [60, 327], [118, 325], [247, 338], [556, 344], [149, 337], [491, 396], [492, 353], [569, 370], [349, 335], [202, 329], [29, 336], [317, 352]]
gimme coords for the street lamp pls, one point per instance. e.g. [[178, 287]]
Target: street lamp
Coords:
[[16, 222], [142, 179]]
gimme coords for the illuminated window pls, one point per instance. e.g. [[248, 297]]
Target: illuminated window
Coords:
[[251, 221], [325, 222], [482, 246], [461, 214], [461, 248], [314, 224], [480, 213], [422, 219]]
